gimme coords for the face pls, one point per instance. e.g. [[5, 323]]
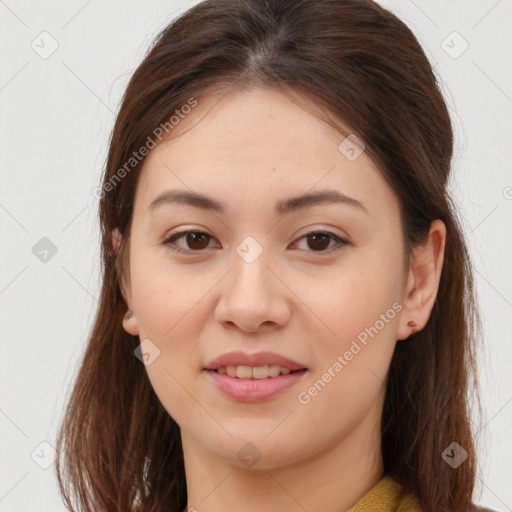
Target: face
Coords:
[[318, 282]]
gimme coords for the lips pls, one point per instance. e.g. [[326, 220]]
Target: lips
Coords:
[[239, 358]]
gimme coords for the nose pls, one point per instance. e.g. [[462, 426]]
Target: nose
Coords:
[[252, 297]]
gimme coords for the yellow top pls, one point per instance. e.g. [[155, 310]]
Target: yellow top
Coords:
[[386, 496]]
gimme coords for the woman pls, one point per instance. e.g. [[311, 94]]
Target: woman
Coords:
[[287, 314]]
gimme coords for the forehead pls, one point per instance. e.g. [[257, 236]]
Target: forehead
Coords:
[[260, 141], [253, 123]]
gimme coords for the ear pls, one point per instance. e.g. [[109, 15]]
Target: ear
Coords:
[[423, 281], [130, 319], [116, 240]]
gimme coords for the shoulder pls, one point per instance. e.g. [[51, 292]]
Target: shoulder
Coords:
[[407, 502], [386, 496]]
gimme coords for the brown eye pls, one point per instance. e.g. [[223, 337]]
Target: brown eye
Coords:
[[195, 241], [320, 241]]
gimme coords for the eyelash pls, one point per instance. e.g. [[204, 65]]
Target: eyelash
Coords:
[[170, 241]]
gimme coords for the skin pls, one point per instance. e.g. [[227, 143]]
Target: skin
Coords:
[[306, 303]]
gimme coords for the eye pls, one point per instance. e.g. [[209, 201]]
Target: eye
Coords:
[[320, 240], [196, 241]]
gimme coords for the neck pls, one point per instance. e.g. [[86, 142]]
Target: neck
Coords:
[[333, 479]]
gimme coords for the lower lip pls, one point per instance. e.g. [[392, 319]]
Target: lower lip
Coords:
[[254, 390]]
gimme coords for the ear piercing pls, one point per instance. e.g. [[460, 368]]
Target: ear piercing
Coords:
[[128, 315], [413, 325]]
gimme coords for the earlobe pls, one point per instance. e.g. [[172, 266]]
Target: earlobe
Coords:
[[423, 281], [130, 324]]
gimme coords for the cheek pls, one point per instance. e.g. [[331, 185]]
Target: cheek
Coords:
[[169, 313], [162, 295], [172, 309], [360, 308], [357, 295]]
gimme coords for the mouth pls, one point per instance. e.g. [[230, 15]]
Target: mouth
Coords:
[[255, 372], [253, 377], [253, 384]]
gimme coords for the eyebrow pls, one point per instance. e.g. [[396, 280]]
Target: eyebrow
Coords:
[[300, 202]]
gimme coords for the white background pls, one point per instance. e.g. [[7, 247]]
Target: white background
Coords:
[[55, 119]]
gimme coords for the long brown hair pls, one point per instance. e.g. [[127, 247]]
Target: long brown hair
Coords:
[[355, 63]]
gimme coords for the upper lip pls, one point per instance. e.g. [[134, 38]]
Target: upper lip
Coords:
[[239, 358]]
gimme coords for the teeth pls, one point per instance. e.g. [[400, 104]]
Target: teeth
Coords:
[[248, 372]]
